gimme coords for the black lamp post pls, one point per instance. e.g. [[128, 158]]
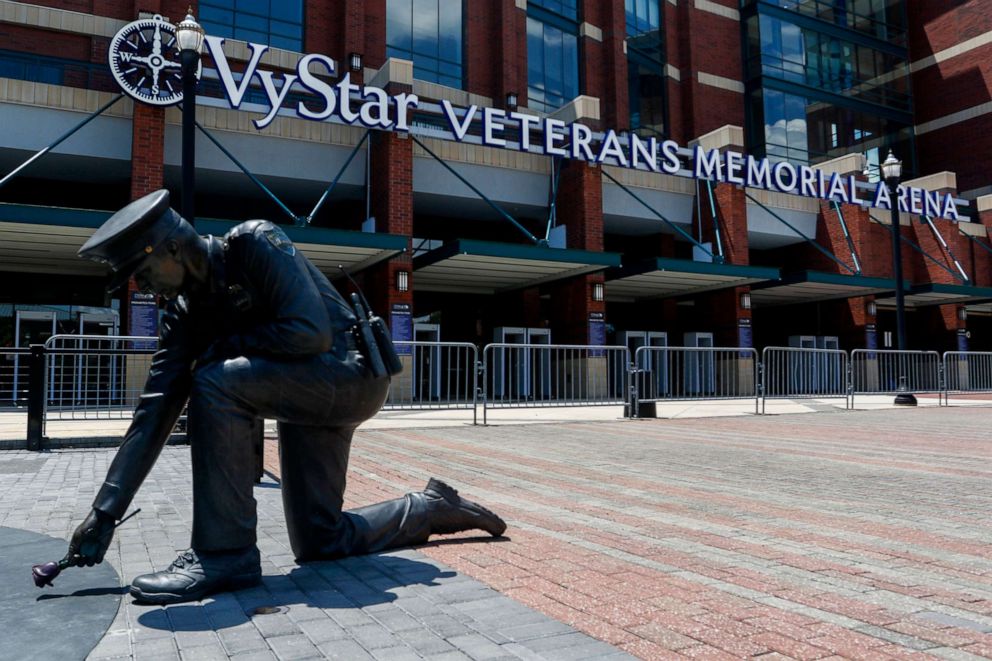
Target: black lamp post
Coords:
[[189, 34], [892, 172]]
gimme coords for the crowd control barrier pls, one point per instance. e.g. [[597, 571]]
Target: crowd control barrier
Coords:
[[694, 373], [95, 377], [15, 375], [436, 375], [797, 373], [554, 375], [967, 372], [888, 372]]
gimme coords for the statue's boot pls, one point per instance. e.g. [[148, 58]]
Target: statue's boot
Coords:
[[194, 575], [449, 513]]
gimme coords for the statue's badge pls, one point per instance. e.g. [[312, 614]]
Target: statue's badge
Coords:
[[279, 240]]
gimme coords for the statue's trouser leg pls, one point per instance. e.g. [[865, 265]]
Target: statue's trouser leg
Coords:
[[313, 462], [323, 396], [219, 429]]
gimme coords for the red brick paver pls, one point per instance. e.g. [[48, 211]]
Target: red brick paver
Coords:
[[839, 535]]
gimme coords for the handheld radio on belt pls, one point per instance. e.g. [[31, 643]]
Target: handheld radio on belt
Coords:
[[372, 336]]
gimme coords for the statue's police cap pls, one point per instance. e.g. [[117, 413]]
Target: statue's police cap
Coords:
[[132, 234]]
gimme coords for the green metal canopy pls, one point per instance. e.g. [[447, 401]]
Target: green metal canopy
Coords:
[[664, 277], [487, 267], [940, 294], [812, 286], [37, 239], [328, 248]]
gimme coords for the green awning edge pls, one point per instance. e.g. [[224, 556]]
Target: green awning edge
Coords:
[[515, 251]]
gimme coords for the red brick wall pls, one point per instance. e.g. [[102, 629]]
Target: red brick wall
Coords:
[[603, 64], [953, 85], [147, 150], [711, 44], [580, 209], [392, 206], [481, 38]]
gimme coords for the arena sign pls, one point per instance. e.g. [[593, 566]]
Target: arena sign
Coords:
[[374, 108]]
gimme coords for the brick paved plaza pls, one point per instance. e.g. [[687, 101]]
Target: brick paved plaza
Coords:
[[854, 535]]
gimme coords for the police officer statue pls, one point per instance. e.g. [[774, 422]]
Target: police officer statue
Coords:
[[251, 330]]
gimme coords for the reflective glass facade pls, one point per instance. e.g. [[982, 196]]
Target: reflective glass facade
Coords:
[[552, 54], [277, 23], [645, 66], [428, 32], [824, 79]]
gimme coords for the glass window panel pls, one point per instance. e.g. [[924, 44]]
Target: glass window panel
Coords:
[[224, 4], [654, 18], [399, 24], [254, 6], [286, 29], [251, 35], [535, 53], [425, 24], [570, 61], [213, 15], [250, 22], [554, 61], [288, 10], [450, 29]]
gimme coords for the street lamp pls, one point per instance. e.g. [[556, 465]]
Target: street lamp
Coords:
[[892, 171], [189, 34]]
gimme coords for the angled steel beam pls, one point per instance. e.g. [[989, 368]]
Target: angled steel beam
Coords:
[[716, 222], [309, 217], [496, 207], [60, 139], [800, 234], [917, 248], [552, 207], [254, 179], [847, 236], [675, 227], [950, 253]]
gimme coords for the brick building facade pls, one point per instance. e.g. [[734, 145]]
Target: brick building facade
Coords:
[[688, 75]]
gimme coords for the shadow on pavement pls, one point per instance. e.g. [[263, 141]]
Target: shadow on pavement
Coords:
[[88, 592], [346, 584]]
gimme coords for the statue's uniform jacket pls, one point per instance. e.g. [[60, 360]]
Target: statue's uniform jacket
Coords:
[[269, 336]]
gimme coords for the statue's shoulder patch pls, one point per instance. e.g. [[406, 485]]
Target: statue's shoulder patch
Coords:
[[274, 235]]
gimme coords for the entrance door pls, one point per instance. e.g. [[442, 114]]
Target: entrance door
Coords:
[[510, 376], [659, 362], [29, 328], [803, 379], [98, 377], [539, 362], [427, 362], [700, 367]]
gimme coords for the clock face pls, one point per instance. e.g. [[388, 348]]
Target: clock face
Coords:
[[145, 61]]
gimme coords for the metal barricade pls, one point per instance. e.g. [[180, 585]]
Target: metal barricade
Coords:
[[95, 377], [886, 372], [436, 375], [15, 375], [796, 373], [967, 372], [554, 375], [691, 373]]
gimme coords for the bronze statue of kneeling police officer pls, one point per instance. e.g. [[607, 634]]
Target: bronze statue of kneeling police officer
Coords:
[[251, 330]]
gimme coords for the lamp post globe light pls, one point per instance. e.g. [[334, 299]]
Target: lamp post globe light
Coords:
[[189, 34], [892, 172]]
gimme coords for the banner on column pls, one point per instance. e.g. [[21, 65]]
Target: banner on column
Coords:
[[142, 317], [597, 331], [401, 326]]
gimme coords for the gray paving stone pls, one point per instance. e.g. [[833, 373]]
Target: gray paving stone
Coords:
[[345, 650], [292, 647]]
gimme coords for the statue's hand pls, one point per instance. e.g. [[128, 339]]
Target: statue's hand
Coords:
[[92, 538]]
